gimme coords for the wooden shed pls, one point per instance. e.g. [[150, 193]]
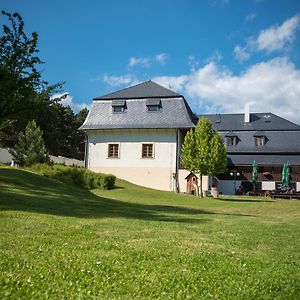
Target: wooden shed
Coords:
[[191, 183]]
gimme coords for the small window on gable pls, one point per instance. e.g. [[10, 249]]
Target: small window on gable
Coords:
[[147, 151], [153, 104], [113, 150], [259, 141], [118, 106]]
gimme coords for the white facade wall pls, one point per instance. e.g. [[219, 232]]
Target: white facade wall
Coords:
[[154, 172]]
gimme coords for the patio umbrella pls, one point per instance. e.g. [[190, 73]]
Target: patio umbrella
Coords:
[[286, 174], [254, 172]]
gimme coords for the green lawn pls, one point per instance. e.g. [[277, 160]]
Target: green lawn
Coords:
[[61, 242]]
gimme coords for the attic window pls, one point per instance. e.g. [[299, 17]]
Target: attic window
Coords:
[[259, 138], [231, 138], [153, 104], [118, 106], [259, 141]]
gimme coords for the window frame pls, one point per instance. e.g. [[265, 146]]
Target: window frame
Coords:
[[108, 150], [153, 108], [142, 151], [115, 109], [260, 141], [232, 139]]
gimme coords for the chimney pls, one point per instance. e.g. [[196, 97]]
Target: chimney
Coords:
[[247, 113]]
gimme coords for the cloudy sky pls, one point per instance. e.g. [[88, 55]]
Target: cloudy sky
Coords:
[[220, 54]]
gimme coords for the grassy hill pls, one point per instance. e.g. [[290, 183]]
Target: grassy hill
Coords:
[[58, 241]]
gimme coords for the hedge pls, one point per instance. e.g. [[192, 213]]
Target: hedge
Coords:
[[77, 176]]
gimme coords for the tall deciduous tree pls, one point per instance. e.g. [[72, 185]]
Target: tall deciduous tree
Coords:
[[203, 151], [22, 91], [30, 148], [24, 96]]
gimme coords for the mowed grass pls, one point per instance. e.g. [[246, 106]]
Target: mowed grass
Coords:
[[62, 242]]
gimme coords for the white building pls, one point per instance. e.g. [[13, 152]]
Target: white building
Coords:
[[136, 134]]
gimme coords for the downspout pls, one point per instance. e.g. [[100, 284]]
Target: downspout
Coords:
[[177, 162], [86, 154]]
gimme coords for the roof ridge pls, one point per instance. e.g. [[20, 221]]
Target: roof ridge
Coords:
[[140, 90], [124, 89]]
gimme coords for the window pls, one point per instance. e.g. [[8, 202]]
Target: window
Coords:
[[231, 138], [113, 150], [153, 104], [259, 141], [152, 108], [118, 109], [231, 141], [147, 151], [118, 106]]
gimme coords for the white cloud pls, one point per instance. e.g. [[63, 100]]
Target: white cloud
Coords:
[[161, 58], [147, 61], [67, 100], [250, 17], [272, 39], [142, 61], [115, 80], [271, 86], [216, 57], [175, 83], [277, 37], [219, 3], [241, 54]]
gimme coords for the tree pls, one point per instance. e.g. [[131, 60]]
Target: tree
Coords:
[[30, 148], [203, 151], [22, 91], [24, 96]]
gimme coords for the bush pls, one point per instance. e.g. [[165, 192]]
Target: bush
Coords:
[[77, 176]]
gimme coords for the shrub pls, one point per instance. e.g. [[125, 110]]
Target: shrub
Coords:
[[77, 176]]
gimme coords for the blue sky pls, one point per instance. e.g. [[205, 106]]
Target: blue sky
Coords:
[[220, 54]]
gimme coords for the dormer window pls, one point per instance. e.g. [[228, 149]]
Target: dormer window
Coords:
[[259, 138], [118, 106], [231, 139], [259, 141], [153, 104]]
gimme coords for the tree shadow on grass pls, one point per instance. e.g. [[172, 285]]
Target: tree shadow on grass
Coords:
[[243, 200], [25, 191]]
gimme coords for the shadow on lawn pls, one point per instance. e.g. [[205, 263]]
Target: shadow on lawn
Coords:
[[243, 200], [24, 191]]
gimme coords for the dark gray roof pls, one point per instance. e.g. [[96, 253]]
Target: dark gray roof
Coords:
[[118, 102], [174, 113], [275, 142], [148, 89], [258, 121], [230, 134], [263, 160], [153, 102]]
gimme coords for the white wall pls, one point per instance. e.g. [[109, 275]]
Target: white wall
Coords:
[[182, 174], [226, 187], [5, 156], [152, 172], [67, 161]]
